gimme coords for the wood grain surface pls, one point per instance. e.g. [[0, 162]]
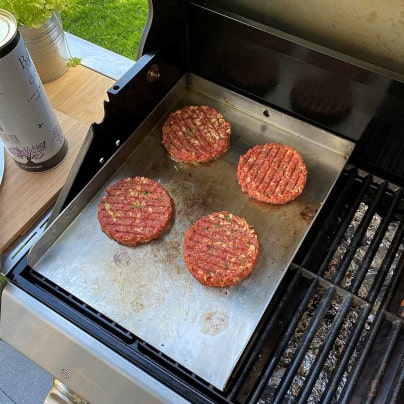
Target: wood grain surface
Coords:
[[77, 98]]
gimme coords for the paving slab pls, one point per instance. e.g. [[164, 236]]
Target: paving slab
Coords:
[[21, 380], [97, 58]]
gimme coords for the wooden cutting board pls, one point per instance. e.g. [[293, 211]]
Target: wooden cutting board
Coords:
[[77, 98]]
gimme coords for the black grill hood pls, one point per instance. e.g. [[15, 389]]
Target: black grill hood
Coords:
[[263, 63]]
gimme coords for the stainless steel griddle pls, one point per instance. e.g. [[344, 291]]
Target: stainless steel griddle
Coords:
[[148, 289]]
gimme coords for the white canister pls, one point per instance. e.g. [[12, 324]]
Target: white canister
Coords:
[[28, 126]]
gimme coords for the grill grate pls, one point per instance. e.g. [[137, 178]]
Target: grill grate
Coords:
[[349, 268]]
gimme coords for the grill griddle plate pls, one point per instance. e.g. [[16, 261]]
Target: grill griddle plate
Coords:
[[148, 290]]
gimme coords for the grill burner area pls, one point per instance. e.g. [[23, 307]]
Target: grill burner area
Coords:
[[339, 326]]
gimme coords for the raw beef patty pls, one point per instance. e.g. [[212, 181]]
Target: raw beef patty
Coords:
[[196, 134], [220, 249], [136, 210], [272, 173]]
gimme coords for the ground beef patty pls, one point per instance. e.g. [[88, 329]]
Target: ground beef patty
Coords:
[[136, 210], [220, 249], [272, 173], [196, 134]]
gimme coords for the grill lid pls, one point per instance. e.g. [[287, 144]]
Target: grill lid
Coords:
[[355, 33]]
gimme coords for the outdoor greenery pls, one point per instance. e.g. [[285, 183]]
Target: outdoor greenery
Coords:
[[116, 25], [35, 13]]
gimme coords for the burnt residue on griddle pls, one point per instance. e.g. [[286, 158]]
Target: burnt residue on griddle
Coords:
[[214, 322], [171, 259], [121, 259], [192, 195], [161, 166], [308, 213], [137, 307]]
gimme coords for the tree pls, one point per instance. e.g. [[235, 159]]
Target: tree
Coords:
[[35, 152]]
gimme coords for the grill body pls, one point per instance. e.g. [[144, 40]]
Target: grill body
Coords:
[[333, 332]]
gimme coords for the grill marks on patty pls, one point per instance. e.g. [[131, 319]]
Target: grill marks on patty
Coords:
[[221, 249], [196, 134], [272, 173], [136, 210]]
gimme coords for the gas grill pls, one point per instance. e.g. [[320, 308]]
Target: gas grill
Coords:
[[320, 318]]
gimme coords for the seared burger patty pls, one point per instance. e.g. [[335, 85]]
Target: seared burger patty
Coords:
[[136, 210], [272, 173], [196, 134], [220, 249]]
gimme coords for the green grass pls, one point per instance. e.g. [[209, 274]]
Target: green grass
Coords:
[[113, 24]]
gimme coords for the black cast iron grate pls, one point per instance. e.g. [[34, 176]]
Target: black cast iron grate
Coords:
[[341, 334]]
